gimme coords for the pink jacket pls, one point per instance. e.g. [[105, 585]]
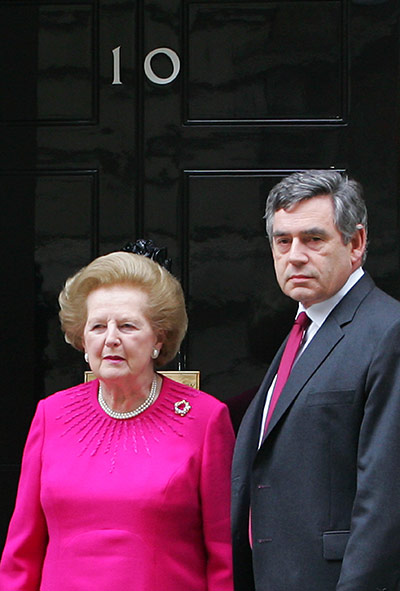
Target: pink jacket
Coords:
[[138, 505]]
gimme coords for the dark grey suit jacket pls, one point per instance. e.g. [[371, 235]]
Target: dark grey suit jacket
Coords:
[[325, 484]]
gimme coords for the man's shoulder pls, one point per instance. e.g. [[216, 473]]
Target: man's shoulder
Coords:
[[367, 291], [367, 304], [382, 301], [372, 304]]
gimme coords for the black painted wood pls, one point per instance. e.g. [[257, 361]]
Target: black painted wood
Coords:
[[265, 88]]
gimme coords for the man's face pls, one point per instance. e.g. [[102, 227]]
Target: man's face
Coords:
[[311, 261]]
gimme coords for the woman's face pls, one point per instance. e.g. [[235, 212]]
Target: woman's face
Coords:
[[118, 337]]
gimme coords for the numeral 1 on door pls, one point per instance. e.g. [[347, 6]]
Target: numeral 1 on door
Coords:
[[117, 65]]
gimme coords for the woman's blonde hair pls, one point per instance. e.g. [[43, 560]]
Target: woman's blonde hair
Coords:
[[166, 304]]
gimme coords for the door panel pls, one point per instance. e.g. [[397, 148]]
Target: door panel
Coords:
[[63, 62], [234, 299], [95, 154], [248, 63]]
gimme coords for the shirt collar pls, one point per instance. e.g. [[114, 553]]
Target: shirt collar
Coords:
[[319, 312]]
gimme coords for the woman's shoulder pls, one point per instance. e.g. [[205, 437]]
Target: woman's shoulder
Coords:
[[196, 411], [69, 395], [200, 399]]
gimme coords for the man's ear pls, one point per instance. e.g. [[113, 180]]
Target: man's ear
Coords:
[[358, 246]]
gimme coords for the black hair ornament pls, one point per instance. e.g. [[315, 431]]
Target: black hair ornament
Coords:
[[148, 249]]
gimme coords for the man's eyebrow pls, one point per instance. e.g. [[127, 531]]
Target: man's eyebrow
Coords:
[[315, 232], [279, 233], [308, 232]]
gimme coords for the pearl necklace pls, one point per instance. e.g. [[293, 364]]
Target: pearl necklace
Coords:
[[132, 413]]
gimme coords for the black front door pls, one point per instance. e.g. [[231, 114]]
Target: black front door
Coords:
[[171, 119]]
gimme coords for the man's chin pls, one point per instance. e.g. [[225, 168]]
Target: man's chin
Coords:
[[300, 294]]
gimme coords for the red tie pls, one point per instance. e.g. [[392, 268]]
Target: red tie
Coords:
[[289, 355]]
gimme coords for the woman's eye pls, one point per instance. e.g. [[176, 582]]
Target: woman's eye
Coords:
[[128, 326]]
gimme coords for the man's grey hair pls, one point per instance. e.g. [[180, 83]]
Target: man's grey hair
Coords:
[[349, 209]]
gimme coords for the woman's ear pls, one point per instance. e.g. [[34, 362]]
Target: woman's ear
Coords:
[[158, 345]]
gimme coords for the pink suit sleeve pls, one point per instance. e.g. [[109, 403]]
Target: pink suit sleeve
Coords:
[[21, 563], [215, 499]]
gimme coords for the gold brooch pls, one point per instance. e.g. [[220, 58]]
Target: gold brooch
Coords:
[[182, 407]]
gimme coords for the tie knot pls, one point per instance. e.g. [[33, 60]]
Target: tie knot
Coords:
[[303, 320]]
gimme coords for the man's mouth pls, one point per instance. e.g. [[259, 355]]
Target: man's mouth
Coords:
[[299, 277]]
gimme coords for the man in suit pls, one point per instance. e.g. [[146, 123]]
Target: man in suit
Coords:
[[316, 496]]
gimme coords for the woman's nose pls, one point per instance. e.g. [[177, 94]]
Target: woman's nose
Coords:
[[112, 337]]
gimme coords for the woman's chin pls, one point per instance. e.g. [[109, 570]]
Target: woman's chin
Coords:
[[113, 373]]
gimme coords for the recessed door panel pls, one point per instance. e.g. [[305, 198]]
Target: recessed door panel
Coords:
[[248, 62], [61, 38]]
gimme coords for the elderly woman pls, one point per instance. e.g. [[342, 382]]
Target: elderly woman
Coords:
[[125, 479]]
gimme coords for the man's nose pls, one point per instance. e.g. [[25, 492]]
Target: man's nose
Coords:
[[298, 252]]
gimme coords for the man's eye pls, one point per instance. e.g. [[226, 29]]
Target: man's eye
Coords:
[[282, 243]]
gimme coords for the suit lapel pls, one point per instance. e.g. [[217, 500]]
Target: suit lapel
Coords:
[[319, 348], [325, 340]]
